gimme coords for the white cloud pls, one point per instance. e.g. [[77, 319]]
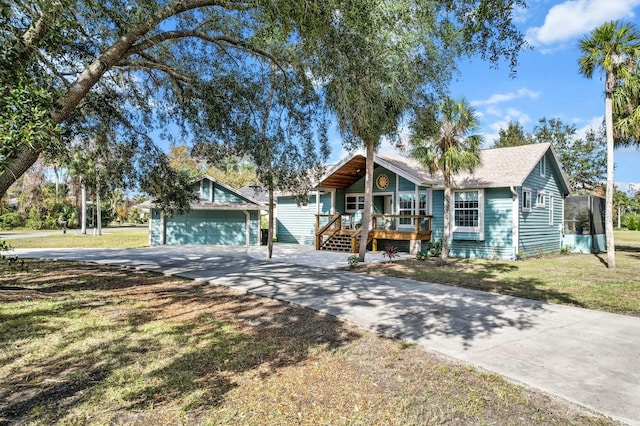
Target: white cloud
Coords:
[[575, 18], [498, 98], [592, 124]]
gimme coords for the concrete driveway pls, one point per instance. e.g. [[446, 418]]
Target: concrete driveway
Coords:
[[588, 357]]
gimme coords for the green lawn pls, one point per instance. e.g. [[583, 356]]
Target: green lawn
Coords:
[[573, 279], [130, 238]]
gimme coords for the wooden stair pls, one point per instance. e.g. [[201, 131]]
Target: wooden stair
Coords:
[[338, 242]]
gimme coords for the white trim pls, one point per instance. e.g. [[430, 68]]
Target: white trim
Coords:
[[396, 201], [333, 201], [353, 194], [515, 221], [396, 170], [551, 211], [543, 165], [530, 192], [541, 193], [471, 229]]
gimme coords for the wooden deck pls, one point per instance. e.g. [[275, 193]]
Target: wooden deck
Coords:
[[335, 233]]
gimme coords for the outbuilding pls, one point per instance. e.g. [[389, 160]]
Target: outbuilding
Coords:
[[220, 216]]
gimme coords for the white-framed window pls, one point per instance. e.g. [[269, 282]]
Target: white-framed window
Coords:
[[354, 202], [406, 206], [468, 210], [526, 199], [540, 196], [543, 166], [551, 210], [422, 203], [304, 204]]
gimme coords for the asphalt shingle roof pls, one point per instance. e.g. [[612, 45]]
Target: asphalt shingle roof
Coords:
[[499, 167]]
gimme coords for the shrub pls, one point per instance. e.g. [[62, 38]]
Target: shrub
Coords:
[[34, 220], [421, 256], [390, 252], [435, 247], [11, 220], [353, 261]]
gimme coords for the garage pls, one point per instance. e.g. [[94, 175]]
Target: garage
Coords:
[[221, 216]]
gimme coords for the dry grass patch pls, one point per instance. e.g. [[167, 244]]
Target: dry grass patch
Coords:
[[88, 344], [573, 279]]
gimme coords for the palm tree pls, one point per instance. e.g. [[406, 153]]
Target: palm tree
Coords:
[[609, 48], [447, 146]]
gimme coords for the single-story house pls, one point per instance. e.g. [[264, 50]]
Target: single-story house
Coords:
[[220, 216], [511, 205]]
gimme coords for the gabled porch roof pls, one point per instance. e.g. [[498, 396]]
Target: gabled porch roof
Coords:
[[352, 169]]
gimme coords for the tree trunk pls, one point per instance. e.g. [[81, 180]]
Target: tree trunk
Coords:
[[98, 205], [83, 208], [25, 158], [446, 233], [270, 230], [608, 115], [368, 201]]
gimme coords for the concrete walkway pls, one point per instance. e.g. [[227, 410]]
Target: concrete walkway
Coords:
[[588, 357]]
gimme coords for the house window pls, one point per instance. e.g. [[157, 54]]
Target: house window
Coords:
[[354, 202], [407, 204], [540, 199], [304, 204], [422, 204], [467, 210], [543, 166], [526, 200], [550, 210]]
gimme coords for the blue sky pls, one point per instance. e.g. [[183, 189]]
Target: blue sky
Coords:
[[547, 83]]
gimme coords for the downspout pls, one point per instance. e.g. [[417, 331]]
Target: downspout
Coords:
[[247, 227], [516, 221]]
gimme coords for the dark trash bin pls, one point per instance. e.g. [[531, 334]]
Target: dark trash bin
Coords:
[[264, 237]]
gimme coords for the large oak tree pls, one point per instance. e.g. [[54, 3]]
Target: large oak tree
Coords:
[[67, 66]]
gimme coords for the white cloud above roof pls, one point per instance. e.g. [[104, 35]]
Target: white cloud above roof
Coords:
[[575, 18], [498, 98]]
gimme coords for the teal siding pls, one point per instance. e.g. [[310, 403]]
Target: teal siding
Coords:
[[254, 226], [340, 200], [537, 236], [296, 224], [154, 228], [358, 187], [437, 228], [214, 227], [405, 185], [498, 229], [222, 195], [210, 191]]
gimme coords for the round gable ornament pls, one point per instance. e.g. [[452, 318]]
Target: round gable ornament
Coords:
[[382, 182]]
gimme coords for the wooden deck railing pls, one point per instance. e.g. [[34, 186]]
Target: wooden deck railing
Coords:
[[383, 227]]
